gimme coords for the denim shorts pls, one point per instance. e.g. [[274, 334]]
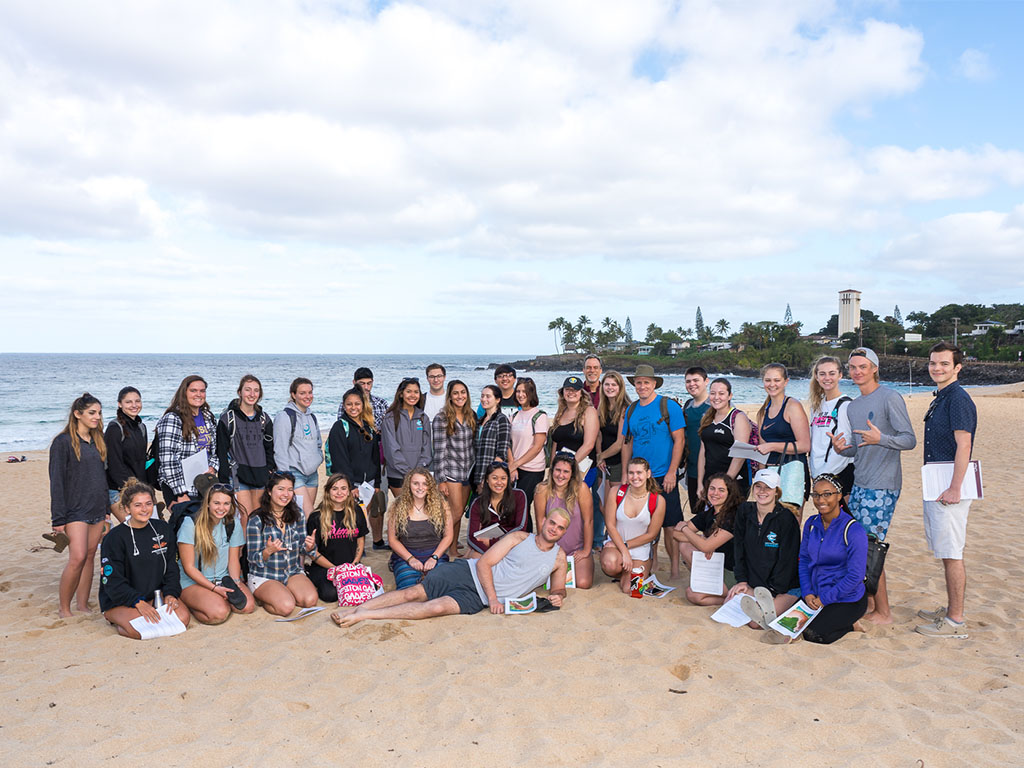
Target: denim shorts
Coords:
[[306, 481], [873, 508], [240, 486], [115, 497]]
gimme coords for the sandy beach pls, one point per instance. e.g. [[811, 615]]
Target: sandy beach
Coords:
[[608, 680]]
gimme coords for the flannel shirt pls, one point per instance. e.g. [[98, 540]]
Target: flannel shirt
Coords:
[[453, 454], [492, 439], [380, 407], [171, 449], [281, 565]]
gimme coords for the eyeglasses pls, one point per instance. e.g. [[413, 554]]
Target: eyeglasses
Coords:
[[433, 376], [826, 495]]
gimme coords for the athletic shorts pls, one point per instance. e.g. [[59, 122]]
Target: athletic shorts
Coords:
[[945, 528], [873, 508], [673, 507], [454, 580]]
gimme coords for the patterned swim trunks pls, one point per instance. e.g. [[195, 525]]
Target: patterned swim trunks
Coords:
[[873, 509]]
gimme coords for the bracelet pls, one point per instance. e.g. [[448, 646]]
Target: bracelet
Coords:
[[408, 559]]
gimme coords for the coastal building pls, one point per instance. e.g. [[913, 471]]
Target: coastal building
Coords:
[[849, 311], [1017, 330], [675, 347], [980, 329], [644, 349]]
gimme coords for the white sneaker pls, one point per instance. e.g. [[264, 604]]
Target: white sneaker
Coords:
[[938, 613], [943, 628]]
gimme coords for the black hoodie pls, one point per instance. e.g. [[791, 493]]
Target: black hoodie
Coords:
[[246, 449], [136, 561], [126, 450], [767, 554], [352, 454]]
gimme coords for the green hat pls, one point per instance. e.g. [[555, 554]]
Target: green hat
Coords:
[[647, 372]]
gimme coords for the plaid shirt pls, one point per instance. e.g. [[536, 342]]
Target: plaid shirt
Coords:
[[281, 565], [380, 407], [171, 449], [492, 439], [453, 454]]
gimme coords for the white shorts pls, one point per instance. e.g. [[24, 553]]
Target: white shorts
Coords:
[[255, 582], [945, 528]]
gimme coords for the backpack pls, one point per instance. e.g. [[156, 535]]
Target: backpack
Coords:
[[294, 418], [142, 426], [652, 498], [327, 445], [635, 403], [835, 422], [153, 461], [355, 583]]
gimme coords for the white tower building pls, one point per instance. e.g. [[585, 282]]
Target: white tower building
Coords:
[[849, 311]]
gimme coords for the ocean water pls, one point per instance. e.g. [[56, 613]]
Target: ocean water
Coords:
[[36, 390]]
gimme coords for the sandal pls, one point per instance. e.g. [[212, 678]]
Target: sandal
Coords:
[[753, 609], [60, 540], [764, 599]]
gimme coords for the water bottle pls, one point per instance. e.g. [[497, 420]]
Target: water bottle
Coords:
[[158, 599]]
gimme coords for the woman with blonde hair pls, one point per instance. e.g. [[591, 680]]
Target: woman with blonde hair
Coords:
[[454, 452], [720, 427], [786, 433], [419, 528], [78, 497], [209, 548], [187, 427], [338, 527], [829, 417], [611, 409], [633, 516], [565, 489]]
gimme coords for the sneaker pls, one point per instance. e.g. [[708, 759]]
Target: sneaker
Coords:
[[933, 616], [380, 545], [943, 628]]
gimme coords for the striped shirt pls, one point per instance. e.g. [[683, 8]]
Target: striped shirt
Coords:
[[454, 453]]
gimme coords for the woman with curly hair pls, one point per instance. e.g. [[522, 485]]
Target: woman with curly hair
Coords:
[[78, 497], [710, 531], [419, 528], [187, 427]]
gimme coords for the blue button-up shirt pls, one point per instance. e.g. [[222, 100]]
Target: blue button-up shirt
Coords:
[[951, 410]]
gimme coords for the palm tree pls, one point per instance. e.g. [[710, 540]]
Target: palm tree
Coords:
[[558, 325], [722, 327]]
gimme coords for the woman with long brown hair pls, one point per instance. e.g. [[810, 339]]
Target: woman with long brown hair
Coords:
[[405, 433], [565, 489], [78, 497], [633, 516], [710, 531], [186, 428], [452, 432], [338, 527]]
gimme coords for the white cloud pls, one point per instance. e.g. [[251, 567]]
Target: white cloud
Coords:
[[975, 65]]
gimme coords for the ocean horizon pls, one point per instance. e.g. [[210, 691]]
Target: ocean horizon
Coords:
[[36, 389]]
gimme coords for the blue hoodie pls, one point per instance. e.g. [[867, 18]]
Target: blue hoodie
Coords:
[[832, 562]]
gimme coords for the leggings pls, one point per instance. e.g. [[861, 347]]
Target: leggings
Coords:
[[835, 620], [325, 589]]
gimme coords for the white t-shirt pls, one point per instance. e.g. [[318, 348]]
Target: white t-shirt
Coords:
[[523, 430], [433, 405], [821, 432]]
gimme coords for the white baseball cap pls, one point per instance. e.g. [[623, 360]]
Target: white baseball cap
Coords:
[[767, 476]]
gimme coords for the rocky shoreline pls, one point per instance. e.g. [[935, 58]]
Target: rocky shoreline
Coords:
[[891, 367]]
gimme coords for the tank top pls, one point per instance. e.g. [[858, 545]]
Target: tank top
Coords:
[[520, 572], [566, 436], [420, 536], [572, 539], [631, 527], [777, 430], [717, 439], [609, 434]]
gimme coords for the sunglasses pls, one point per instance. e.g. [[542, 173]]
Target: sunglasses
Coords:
[[223, 488]]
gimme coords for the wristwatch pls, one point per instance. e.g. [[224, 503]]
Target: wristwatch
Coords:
[[435, 557]]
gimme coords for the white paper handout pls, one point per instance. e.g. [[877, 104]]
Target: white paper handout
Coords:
[[492, 531], [527, 604], [168, 625], [731, 613], [195, 465], [585, 465], [740, 450], [708, 576], [795, 620], [936, 477], [304, 613], [655, 588], [365, 493], [570, 574]]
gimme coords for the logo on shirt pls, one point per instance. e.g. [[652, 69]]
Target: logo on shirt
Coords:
[[159, 546], [772, 540]]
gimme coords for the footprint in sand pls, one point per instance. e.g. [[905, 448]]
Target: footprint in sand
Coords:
[[682, 671], [389, 631], [297, 706]]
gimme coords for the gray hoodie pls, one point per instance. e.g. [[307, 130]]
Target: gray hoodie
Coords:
[[301, 451], [408, 446]]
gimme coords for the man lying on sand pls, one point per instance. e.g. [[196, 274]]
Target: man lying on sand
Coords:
[[515, 566]]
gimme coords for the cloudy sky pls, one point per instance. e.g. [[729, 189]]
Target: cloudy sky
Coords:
[[448, 176]]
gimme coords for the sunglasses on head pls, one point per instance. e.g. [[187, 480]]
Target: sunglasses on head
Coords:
[[411, 380], [223, 488]]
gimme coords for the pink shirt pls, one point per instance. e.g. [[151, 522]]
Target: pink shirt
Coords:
[[523, 430]]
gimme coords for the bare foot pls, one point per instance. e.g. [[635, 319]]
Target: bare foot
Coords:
[[876, 618], [858, 627], [342, 613], [85, 608], [346, 619], [675, 574], [64, 614]]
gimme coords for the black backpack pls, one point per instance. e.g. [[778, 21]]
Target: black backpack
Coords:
[[153, 461]]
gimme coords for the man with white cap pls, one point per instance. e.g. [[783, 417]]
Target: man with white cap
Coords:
[[881, 430]]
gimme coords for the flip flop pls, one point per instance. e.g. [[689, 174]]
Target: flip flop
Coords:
[[236, 597], [60, 540], [764, 598], [544, 605], [753, 610]]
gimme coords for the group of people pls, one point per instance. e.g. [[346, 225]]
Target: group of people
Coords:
[[602, 474]]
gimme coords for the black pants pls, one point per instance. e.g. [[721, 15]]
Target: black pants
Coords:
[[527, 482], [324, 588], [835, 620], [691, 493]]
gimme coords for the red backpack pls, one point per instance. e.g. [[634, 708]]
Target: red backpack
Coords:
[[652, 498]]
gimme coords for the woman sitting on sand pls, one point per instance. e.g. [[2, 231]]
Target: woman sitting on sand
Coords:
[[419, 528], [276, 542], [454, 454], [127, 442], [186, 428], [137, 560], [710, 531], [338, 527], [833, 559], [209, 548], [767, 538], [633, 516], [498, 503], [78, 498], [720, 427], [565, 489]]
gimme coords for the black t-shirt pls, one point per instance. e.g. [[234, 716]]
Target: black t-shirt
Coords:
[[703, 521], [340, 546], [717, 438]]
